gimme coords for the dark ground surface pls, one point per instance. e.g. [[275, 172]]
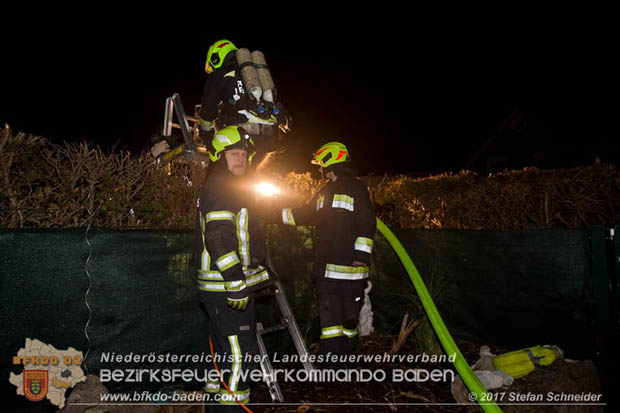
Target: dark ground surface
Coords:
[[372, 396], [429, 396]]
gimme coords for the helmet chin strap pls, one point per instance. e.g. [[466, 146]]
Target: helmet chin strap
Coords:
[[326, 171]]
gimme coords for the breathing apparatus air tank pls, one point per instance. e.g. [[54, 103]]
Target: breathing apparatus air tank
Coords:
[[249, 74], [522, 362], [264, 76]]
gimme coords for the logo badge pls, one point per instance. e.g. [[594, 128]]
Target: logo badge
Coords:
[[35, 384]]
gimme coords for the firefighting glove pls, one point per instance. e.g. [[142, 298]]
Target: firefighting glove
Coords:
[[206, 131], [159, 148], [205, 124], [237, 295]]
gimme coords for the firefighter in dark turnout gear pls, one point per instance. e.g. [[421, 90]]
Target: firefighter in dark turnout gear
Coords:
[[230, 247], [223, 89], [345, 226], [225, 101]]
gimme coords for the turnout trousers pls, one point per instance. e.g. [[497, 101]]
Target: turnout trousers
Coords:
[[233, 336], [340, 303]]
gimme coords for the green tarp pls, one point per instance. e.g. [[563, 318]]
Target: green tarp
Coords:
[[513, 289]]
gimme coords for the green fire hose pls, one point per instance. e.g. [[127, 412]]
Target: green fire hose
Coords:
[[469, 378]]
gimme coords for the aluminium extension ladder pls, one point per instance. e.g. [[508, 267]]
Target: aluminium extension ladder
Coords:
[[288, 322]]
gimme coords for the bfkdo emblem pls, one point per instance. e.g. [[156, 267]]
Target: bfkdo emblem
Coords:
[[35, 384]]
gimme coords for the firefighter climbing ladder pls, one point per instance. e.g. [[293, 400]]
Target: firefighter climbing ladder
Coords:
[[190, 150]]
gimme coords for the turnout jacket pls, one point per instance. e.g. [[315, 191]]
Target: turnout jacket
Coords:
[[230, 242], [224, 95], [345, 226]]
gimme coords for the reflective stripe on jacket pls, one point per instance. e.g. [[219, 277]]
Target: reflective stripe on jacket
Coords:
[[345, 227], [230, 241]]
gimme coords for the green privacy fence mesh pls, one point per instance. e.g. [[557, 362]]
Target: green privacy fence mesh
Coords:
[[513, 289]]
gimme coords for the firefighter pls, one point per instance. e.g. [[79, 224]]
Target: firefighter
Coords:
[[221, 92], [225, 102], [345, 227], [230, 247]]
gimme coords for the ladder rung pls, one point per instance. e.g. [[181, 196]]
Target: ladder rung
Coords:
[[277, 327]]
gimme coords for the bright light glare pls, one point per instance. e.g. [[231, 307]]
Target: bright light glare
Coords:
[[267, 189]]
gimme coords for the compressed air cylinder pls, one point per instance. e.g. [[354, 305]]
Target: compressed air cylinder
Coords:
[[249, 74], [264, 76], [521, 362]]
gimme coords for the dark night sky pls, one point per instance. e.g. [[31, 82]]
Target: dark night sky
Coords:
[[404, 97]]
